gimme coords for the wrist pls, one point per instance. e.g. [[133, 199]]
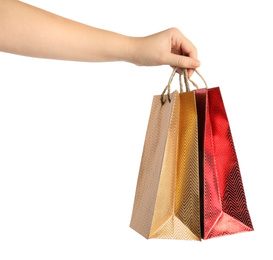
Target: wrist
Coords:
[[130, 52]]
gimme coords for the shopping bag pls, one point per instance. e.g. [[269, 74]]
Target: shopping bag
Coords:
[[223, 208], [166, 202], [180, 193]]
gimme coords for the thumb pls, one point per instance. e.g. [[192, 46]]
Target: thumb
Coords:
[[181, 61]]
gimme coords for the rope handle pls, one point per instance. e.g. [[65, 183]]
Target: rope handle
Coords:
[[186, 80]]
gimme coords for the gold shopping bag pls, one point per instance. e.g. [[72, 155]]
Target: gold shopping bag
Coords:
[[167, 194]]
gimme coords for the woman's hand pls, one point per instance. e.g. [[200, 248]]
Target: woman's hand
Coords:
[[169, 47]]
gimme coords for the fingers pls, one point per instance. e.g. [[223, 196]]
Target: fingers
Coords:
[[182, 45], [181, 61], [180, 71], [190, 72], [179, 40]]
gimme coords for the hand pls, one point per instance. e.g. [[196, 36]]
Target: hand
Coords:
[[169, 47], [56, 37]]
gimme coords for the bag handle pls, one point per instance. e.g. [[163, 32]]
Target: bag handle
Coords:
[[186, 80], [185, 71]]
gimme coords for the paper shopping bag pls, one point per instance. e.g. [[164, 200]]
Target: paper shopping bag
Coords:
[[223, 208], [189, 187], [166, 202]]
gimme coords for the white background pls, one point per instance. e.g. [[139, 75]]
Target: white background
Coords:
[[72, 133]]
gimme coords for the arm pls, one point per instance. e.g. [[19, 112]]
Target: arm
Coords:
[[31, 31]]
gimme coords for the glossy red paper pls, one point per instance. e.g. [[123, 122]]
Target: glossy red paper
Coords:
[[223, 208]]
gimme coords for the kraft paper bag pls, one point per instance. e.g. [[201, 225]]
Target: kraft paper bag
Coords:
[[166, 202]]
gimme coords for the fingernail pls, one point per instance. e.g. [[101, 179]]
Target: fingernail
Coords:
[[195, 63]]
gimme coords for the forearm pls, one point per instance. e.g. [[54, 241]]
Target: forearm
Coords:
[[31, 31]]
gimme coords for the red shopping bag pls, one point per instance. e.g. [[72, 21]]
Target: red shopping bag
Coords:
[[223, 208]]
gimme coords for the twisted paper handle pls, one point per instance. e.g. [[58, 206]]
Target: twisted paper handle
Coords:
[[186, 80]]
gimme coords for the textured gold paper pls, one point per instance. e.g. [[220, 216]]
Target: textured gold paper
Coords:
[[187, 176], [167, 195]]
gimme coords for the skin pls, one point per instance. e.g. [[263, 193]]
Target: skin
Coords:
[[31, 31]]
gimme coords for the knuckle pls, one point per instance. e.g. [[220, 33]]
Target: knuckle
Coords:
[[175, 29], [182, 62], [179, 62]]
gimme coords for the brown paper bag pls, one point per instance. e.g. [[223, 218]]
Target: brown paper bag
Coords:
[[167, 195]]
